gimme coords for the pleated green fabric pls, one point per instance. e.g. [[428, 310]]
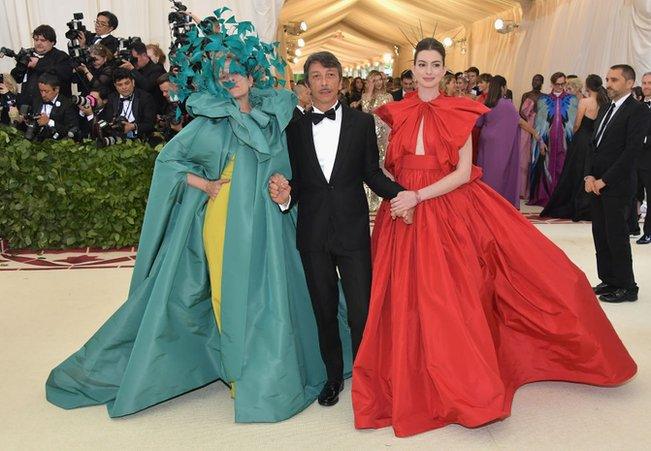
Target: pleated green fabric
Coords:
[[163, 341]]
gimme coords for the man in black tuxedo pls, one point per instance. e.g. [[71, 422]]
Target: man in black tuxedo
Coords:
[[146, 73], [105, 23], [619, 133], [54, 113], [45, 59], [133, 104], [333, 152], [407, 83], [644, 165]]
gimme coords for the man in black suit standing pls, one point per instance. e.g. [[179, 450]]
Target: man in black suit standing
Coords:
[[45, 59], [644, 165], [54, 113], [105, 23], [333, 152], [133, 104], [407, 83], [619, 133]]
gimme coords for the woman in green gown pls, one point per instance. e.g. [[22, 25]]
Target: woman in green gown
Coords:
[[218, 291]]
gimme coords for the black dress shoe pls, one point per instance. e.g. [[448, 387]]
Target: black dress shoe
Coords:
[[329, 396], [620, 295], [644, 239], [603, 288]]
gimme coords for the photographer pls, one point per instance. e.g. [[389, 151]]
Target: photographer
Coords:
[[44, 59], [93, 117], [8, 93], [145, 73], [53, 115], [170, 123], [131, 107], [100, 71], [105, 23]]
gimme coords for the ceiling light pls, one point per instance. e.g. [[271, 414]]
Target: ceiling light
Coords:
[[499, 24], [295, 28], [505, 26], [298, 52], [447, 42], [303, 26], [301, 42]]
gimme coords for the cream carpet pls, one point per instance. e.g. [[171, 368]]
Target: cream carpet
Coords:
[[46, 315]]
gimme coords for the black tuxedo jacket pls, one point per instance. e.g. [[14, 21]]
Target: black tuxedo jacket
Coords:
[[146, 80], [338, 206], [297, 114], [65, 115], [615, 159], [110, 42], [397, 95], [54, 62], [144, 110]]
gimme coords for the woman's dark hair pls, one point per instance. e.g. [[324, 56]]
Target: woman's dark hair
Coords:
[[429, 44], [495, 90], [353, 85], [595, 84], [102, 51], [486, 78], [47, 32], [326, 59]]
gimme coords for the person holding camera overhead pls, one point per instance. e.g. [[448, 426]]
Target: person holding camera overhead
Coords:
[[145, 72], [132, 106], [105, 23], [44, 59]]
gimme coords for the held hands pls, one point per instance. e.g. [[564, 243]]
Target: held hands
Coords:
[[593, 185], [279, 189], [212, 187], [404, 201]]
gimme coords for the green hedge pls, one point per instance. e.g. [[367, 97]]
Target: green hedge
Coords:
[[62, 194]]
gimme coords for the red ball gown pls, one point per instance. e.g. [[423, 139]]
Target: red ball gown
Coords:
[[471, 301]]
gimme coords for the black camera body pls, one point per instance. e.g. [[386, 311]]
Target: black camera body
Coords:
[[123, 53], [78, 54], [32, 129], [22, 57], [169, 119], [75, 26], [110, 133], [179, 24]]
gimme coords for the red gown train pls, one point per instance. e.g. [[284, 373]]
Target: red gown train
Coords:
[[471, 301]]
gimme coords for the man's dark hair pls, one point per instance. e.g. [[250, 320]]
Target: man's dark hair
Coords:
[[627, 71], [103, 91], [163, 79], [120, 74], [326, 59], [458, 74], [474, 70], [112, 18], [139, 48], [556, 76], [46, 31], [301, 82], [406, 74], [571, 76], [49, 79]]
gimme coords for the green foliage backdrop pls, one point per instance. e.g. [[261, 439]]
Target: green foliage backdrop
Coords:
[[62, 194]]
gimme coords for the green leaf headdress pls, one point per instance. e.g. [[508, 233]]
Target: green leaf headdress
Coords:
[[203, 55]]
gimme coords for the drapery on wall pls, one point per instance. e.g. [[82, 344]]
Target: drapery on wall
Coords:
[[144, 18]]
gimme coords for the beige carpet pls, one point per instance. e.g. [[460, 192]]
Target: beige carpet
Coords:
[[46, 315]]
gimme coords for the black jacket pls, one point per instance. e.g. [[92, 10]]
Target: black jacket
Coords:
[[338, 206], [64, 114], [143, 108], [54, 62], [397, 95], [615, 159], [146, 80], [110, 42]]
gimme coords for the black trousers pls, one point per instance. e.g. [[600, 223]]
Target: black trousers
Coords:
[[610, 231], [322, 282]]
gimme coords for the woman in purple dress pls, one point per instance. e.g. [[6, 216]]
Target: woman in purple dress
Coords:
[[499, 142]]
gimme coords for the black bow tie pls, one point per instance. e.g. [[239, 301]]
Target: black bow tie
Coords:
[[648, 103], [318, 117], [48, 103]]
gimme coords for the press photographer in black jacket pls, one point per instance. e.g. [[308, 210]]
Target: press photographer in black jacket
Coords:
[[145, 72], [132, 104], [105, 23], [100, 71], [44, 59]]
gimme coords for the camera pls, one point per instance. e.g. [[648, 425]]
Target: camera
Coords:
[[123, 53], [75, 26], [179, 24], [22, 57], [84, 101], [32, 129], [168, 120], [110, 133]]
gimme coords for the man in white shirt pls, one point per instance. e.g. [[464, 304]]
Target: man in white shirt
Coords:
[[620, 130], [333, 152]]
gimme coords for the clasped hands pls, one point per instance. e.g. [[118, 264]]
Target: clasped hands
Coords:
[[593, 185], [279, 189]]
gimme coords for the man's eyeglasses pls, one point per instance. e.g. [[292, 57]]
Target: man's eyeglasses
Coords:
[[560, 85], [101, 22]]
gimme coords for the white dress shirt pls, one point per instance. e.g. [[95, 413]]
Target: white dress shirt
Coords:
[[326, 141], [618, 104], [47, 110]]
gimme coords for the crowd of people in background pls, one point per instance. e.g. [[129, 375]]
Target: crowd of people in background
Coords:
[[537, 152]]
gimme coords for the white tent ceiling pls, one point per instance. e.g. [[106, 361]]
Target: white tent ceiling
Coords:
[[362, 31]]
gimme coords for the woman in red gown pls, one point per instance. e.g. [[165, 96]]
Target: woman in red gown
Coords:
[[470, 301]]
